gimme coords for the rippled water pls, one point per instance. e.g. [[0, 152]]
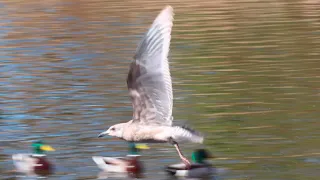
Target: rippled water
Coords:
[[246, 73]]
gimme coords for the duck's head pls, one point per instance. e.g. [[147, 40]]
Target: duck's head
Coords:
[[199, 155], [40, 148], [134, 148]]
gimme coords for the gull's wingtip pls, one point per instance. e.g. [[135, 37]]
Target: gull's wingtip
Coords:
[[167, 10]]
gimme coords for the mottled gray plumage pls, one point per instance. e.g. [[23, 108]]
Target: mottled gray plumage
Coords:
[[150, 88], [149, 80]]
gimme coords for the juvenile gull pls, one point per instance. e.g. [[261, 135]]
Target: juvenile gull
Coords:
[[150, 88]]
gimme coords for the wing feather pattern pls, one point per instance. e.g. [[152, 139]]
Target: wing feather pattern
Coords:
[[149, 80]]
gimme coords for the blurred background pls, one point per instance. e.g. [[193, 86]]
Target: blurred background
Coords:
[[245, 72]]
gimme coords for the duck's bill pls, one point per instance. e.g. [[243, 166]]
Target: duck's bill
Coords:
[[47, 148], [142, 146], [210, 156]]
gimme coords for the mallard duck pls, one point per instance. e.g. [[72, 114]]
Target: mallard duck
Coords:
[[130, 164], [36, 163], [199, 167]]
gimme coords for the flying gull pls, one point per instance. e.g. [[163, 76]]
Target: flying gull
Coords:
[[150, 88]]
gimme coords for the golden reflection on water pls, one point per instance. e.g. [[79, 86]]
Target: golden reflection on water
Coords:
[[246, 73]]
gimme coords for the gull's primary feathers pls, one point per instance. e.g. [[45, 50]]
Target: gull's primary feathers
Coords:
[[150, 88], [149, 80]]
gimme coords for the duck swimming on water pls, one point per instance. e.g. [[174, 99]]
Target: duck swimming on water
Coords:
[[131, 164], [198, 169], [36, 163]]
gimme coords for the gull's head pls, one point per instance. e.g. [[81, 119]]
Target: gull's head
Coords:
[[115, 130]]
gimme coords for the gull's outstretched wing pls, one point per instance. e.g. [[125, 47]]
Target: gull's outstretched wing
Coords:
[[149, 80]]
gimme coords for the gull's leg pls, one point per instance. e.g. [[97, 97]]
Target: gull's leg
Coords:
[[182, 157]]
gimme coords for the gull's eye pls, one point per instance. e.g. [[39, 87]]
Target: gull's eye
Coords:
[[113, 129]]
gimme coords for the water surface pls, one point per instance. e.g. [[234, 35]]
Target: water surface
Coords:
[[245, 73]]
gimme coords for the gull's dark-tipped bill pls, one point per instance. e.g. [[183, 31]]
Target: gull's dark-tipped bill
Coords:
[[101, 134]]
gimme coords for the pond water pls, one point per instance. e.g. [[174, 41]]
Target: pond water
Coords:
[[245, 73]]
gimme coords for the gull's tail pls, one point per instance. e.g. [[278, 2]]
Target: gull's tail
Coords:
[[186, 134]]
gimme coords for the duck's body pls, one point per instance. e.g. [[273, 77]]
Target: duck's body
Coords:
[[194, 171], [36, 163], [32, 164], [130, 164], [199, 168]]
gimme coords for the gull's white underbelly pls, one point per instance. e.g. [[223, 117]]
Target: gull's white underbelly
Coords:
[[160, 134]]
